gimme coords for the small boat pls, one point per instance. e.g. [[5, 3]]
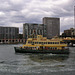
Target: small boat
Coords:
[[41, 44]]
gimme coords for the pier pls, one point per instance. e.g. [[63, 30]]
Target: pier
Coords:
[[69, 41], [12, 41]]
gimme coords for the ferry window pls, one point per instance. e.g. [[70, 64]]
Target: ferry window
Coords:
[[45, 42], [48, 42], [35, 42], [48, 47], [29, 41], [51, 47], [53, 42], [57, 42], [38, 36], [39, 42], [32, 43], [62, 42], [55, 48]]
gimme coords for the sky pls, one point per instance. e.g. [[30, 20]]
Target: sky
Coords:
[[15, 13]]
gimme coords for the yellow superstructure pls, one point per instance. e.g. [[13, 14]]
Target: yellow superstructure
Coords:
[[41, 41]]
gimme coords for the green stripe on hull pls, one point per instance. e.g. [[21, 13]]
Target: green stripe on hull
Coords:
[[21, 50]]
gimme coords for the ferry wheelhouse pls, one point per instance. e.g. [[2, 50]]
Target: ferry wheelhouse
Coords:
[[41, 44]]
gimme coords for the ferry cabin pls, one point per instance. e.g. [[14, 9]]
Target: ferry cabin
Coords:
[[41, 42]]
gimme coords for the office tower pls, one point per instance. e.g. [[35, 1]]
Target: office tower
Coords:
[[53, 26]]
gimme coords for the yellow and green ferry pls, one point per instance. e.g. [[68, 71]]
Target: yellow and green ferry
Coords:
[[41, 44]]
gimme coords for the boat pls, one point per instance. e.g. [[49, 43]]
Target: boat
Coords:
[[40, 44]]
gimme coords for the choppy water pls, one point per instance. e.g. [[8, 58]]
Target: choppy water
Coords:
[[35, 64]]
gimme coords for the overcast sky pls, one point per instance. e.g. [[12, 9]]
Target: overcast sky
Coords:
[[16, 12]]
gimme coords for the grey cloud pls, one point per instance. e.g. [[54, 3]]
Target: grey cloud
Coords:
[[35, 12], [18, 19], [33, 20], [61, 12], [8, 6], [66, 27]]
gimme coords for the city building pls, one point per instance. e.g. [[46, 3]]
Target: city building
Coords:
[[9, 32], [69, 32], [53, 26], [31, 28]]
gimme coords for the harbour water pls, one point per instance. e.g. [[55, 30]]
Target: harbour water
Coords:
[[12, 63]]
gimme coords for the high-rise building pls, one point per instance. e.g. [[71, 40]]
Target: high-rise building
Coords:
[[9, 32], [31, 28], [53, 26]]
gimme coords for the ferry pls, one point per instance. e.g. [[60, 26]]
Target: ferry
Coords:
[[40, 44]]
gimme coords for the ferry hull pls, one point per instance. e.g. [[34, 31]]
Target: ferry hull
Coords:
[[22, 50]]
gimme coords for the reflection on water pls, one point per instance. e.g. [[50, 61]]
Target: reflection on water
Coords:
[[48, 57]]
